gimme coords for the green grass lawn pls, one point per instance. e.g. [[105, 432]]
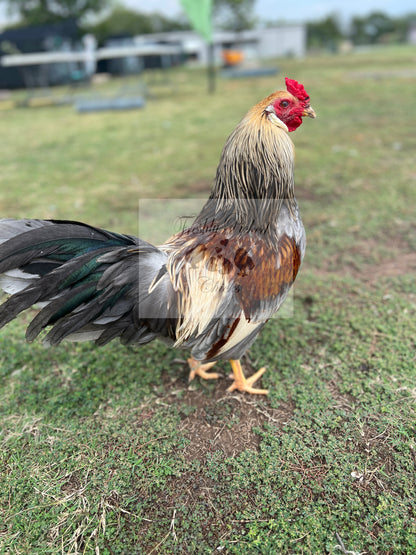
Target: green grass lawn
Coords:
[[110, 451]]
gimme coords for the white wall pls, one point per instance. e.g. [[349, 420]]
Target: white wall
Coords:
[[279, 41]]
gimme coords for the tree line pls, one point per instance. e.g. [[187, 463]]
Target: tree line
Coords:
[[113, 19], [374, 28]]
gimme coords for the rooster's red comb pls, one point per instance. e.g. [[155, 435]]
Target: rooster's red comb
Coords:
[[297, 89]]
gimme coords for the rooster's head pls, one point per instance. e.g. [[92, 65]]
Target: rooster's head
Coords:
[[288, 106]]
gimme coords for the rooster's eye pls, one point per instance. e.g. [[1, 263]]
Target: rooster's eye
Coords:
[[284, 103]]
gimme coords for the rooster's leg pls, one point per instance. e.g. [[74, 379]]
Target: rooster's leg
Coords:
[[245, 384], [198, 369]]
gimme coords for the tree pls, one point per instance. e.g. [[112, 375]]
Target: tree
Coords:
[[122, 21], [325, 33], [35, 12], [234, 15], [371, 28]]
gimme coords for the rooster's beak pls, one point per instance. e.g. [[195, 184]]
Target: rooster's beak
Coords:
[[309, 111]]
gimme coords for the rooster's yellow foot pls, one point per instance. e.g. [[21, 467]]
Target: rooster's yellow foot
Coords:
[[198, 369], [245, 384]]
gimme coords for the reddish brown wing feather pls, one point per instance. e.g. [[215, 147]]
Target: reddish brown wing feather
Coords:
[[265, 275], [258, 271]]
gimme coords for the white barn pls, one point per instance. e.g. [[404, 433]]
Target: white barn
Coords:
[[274, 42]]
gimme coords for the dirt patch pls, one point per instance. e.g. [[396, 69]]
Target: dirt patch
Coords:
[[223, 425], [402, 262], [405, 263], [197, 187], [222, 421], [374, 474], [399, 260], [194, 493], [305, 193], [72, 485], [343, 401]]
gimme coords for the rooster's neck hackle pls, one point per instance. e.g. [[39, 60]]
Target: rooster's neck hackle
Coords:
[[254, 176]]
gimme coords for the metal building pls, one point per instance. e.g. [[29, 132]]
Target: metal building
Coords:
[[274, 42]]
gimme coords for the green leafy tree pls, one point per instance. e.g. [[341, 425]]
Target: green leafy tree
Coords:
[[325, 33], [234, 15], [122, 21], [34, 12], [402, 25], [372, 28]]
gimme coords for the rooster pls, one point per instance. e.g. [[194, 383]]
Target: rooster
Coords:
[[209, 289]]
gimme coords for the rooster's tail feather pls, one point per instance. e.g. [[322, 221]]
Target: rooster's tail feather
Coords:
[[85, 279]]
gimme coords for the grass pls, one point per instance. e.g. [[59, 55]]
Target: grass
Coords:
[[110, 451]]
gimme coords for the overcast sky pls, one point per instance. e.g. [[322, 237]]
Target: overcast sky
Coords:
[[301, 10]]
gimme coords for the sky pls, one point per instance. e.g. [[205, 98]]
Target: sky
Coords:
[[266, 10], [300, 10]]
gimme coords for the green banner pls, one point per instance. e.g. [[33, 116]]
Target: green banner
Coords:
[[200, 15]]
